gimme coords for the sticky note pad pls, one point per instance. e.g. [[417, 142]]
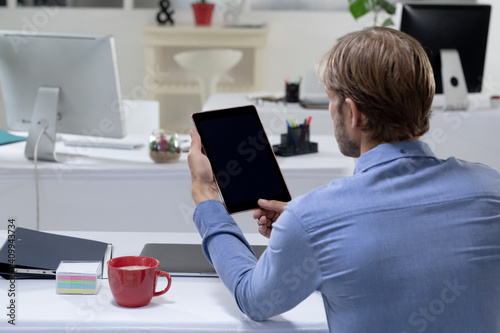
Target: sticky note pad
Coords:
[[78, 277]]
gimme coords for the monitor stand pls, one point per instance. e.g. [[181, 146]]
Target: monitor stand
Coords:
[[43, 122], [454, 85]]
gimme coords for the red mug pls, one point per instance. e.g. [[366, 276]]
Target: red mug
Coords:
[[132, 280]]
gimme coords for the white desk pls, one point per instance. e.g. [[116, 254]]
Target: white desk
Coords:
[[274, 115], [471, 135], [123, 190], [192, 304]]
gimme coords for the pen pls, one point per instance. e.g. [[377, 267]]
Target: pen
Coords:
[[293, 122], [308, 120]]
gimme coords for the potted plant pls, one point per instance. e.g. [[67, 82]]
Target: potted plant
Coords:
[[203, 11], [359, 8]]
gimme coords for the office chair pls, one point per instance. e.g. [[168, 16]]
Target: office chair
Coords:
[[208, 66]]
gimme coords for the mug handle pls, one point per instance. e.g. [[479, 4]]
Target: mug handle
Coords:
[[165, 274]]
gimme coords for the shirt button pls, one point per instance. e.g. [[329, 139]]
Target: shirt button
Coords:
[[402, 151]]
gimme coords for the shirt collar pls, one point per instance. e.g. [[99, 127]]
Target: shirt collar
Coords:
[[387, 152]]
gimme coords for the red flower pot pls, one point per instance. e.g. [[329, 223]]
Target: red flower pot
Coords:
[[203, 13]]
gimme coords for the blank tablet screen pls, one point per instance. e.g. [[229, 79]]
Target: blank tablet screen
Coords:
[[241, 156]]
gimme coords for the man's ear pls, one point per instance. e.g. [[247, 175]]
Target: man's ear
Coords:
[[357, 118]]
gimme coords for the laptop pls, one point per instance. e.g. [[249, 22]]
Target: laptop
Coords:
[[185, 259]]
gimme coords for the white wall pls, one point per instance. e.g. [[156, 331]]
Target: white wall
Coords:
[[296, 40]]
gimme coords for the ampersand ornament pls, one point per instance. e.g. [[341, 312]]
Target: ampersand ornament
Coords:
[[164, 15]]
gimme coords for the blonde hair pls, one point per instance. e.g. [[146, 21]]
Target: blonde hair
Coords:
[[388, 75]]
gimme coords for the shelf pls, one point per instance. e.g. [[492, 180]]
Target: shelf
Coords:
[[193, 36], [163, 42]]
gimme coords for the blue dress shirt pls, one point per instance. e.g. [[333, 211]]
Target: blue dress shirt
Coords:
[[409, 243]]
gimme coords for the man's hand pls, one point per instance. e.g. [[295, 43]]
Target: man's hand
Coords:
[[203, 185], [267, 214]]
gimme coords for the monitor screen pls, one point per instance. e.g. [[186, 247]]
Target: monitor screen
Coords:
[[64, 83], [446, 26]]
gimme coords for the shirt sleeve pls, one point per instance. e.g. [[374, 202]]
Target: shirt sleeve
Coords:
[[286, 273]]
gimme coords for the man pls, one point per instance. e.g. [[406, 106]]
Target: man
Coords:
[[409, 243]]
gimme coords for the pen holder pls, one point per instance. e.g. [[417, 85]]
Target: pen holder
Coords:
[[296, 142], [292, 92]]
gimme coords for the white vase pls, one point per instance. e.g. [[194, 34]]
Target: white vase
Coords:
[[233, 10]]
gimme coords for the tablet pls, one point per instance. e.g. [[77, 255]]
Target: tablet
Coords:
[[241, 156]]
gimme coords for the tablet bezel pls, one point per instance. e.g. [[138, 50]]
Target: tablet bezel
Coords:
[[232, 206]]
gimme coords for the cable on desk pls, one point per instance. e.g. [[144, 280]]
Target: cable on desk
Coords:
[[35, 159]]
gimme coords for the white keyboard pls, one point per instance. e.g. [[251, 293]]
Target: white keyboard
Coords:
[[105, 144]]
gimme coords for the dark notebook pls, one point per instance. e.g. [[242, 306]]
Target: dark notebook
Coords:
[[185, 259], [35, 254]]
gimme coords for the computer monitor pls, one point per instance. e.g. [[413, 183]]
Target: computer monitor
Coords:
[[454, 37], [60, 83]]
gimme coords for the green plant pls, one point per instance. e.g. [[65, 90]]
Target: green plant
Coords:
[[359, 8]]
